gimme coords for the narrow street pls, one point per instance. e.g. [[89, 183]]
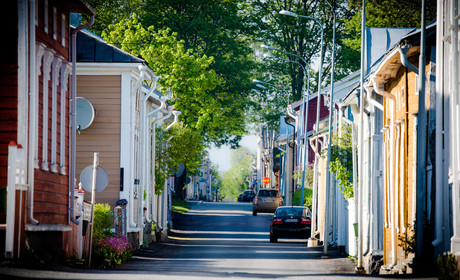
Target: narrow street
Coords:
[[225, 240], [217, 241]]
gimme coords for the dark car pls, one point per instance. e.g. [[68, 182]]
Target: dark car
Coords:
[[240, 197], [290, 222], [248, 195], [266, 200]]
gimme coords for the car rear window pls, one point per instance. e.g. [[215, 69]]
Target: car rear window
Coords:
[[290, 212], [268, 193]]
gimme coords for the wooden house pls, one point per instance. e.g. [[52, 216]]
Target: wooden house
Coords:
[[121, 90], [395, 79], [37, 213]]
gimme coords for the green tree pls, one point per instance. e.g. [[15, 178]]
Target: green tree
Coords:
[[183, 72], [217, 29], [388, 13], [234, 180], [110, 12], [341, 164], [179, 145]]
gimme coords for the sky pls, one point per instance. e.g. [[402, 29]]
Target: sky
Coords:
[[222, 155]]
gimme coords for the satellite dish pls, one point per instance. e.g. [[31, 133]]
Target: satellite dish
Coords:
[[180, 170], [85, 113], [187, 180], [86, 178]]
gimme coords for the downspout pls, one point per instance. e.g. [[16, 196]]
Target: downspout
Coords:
[[150, 194], [370, 100], [289, 190], [402, 178], [391, 163], [385, 178], [369, 89], [131, 225], [153, 125], [439, 132], [403, 55], [414, 168], [73, 116], [305, 156], [33, 112]]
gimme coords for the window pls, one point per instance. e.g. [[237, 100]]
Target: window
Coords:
[[63, 30], [45, 17], [54, 23]]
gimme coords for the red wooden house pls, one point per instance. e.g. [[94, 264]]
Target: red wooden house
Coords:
[[36, 192]]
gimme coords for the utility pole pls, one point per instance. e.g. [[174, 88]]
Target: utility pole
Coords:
[[421, 148]]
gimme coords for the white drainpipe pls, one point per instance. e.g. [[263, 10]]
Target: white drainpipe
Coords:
[[392, 165], [73, 114], [153, 159], [396, 178], [414, 169], [402, 174], [147, 164], [33, 111], [131, 225], [440, 76], [385, 178]]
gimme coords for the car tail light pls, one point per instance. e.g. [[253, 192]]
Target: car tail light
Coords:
[[305, 221], [277, 221], [256, 199]]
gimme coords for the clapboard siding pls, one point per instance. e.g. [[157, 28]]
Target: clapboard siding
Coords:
[[103, 136]]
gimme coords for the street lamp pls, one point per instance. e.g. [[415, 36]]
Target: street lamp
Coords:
[[306, 102], [288, 13]]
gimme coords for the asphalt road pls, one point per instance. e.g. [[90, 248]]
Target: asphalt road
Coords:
[[216, 241]]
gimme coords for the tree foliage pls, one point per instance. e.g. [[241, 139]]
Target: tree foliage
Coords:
[[179, 145], [301, 37], [341, 164], [111, 11], [388, 13], [217, 29], [234, 180], [183, 72]]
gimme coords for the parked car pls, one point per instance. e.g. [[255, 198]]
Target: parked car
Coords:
[[248, 195], [240, 197], [290, 222], [266, 200]]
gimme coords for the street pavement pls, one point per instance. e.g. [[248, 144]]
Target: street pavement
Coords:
[[217, 241]]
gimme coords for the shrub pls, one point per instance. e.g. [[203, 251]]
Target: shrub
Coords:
[[102, 222], [447, 267], [114, 248]]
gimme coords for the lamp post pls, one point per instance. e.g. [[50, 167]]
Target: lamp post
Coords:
[[306, 104], [315, 177], [328, 175]]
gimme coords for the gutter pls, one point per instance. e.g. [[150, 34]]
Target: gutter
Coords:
[[73, 117]]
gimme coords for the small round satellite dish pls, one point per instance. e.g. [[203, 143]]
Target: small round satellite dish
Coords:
[[85, 113], [180, 170], [86, 178]]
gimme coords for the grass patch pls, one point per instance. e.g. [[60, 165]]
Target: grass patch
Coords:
[[180, 206], [351, 258]]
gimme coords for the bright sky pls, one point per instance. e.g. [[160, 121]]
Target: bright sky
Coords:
[[222, 156]]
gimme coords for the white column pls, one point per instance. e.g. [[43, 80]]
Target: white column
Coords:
[[40, 51], [47, 61], [65, 72], [56, 67]]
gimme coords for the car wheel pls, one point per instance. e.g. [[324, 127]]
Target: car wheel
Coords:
[[254, 213], [273, 238]]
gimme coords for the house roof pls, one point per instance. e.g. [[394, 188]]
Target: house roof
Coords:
[[92, 48], [411, 36], [78, 6]]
